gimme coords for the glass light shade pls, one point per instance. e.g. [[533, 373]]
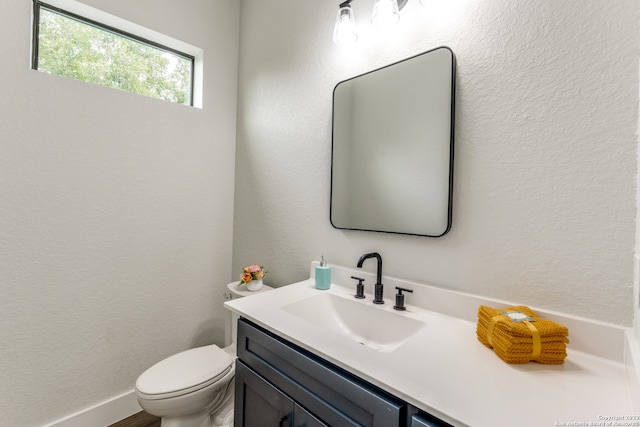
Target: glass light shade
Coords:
[[385, 13], [423, 2], [345, 29]]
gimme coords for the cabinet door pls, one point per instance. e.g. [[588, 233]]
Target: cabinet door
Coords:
[[258, 403], [303, 418]]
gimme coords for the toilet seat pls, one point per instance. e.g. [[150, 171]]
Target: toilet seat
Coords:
[[184, 373]]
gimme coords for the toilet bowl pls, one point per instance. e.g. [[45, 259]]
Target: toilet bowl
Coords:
[[193, 388], [187, 388]]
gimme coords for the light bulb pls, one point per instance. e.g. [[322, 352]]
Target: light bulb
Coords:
[[345, 29], [385, 13]]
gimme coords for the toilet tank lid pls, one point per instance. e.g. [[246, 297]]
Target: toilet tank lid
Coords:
[[241, 291], [184, 370]]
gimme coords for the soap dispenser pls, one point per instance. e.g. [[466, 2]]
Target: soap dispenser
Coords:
[[323, 275]]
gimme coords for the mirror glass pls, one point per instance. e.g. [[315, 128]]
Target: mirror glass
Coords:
[[392, 158]]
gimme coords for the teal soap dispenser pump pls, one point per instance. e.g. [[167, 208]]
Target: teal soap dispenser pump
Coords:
[[323, 275]]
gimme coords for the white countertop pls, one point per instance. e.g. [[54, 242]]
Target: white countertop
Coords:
[[447, 372]]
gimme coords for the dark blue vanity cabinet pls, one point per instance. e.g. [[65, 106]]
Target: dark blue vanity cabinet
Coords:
[[281, 385], [265, 405], [418, 418]]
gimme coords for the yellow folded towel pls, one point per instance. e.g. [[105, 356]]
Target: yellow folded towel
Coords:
[[518, 335]]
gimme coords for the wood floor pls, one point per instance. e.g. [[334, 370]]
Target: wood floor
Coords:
[[141, 419]]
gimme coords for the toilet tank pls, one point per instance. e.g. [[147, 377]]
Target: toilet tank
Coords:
[[239, 292]]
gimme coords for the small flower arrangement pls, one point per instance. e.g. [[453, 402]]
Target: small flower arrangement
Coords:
[[252, 272]]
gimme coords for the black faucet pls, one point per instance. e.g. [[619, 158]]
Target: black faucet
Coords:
[[377, 294]]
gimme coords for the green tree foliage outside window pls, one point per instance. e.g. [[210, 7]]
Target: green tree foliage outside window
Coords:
[[76, 49]]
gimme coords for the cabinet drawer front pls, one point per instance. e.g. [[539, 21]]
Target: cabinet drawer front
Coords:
[[325, 390], [418, 421]]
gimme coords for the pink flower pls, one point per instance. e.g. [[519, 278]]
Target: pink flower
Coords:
[[253, 268]]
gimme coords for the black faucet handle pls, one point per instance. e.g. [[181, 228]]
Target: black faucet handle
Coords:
[[400, 298], [359, 287]]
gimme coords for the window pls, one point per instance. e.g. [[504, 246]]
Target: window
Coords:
[[69, 45]]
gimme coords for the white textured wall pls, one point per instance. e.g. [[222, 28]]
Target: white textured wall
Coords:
[[545, 166], [636, 277], [115, 216]]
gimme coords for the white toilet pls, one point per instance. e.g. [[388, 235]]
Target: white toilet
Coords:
[[194, 388]]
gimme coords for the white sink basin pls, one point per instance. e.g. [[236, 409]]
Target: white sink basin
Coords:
[[364, 323]]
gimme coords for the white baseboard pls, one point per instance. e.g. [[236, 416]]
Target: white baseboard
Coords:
[[632, 367], [103, 414]]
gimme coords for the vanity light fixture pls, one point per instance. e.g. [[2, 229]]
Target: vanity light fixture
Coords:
[[345, 29], [385, 14]]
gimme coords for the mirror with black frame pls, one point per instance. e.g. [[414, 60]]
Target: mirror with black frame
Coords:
[[392, 148]]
